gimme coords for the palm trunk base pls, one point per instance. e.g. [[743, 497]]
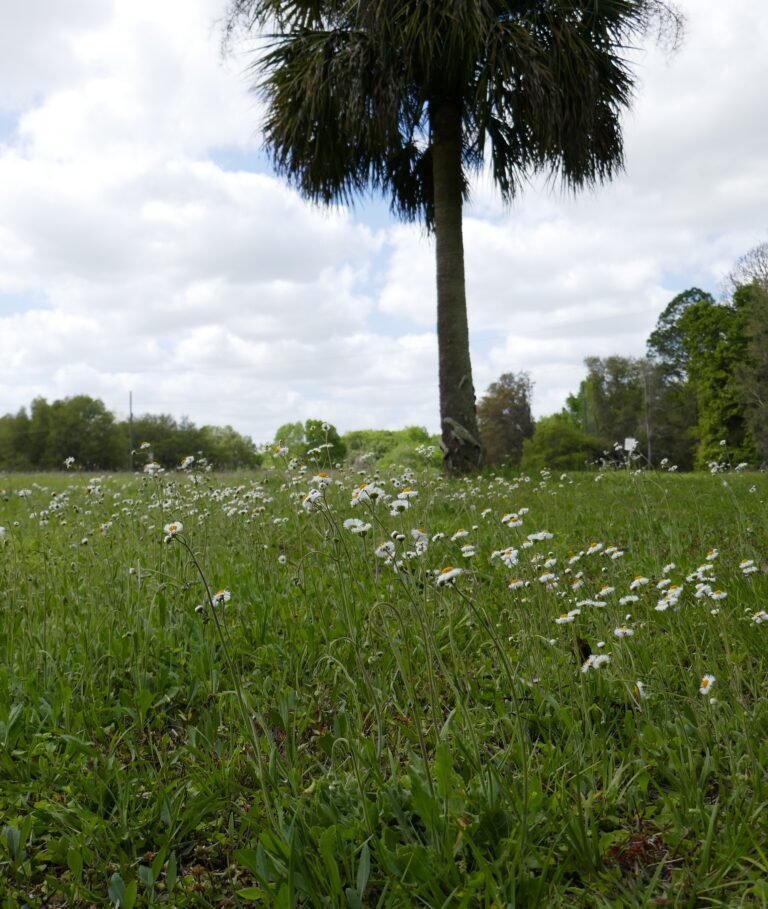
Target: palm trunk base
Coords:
[[462, 452]]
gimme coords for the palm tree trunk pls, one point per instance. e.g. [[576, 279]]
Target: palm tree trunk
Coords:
[[458, 416]]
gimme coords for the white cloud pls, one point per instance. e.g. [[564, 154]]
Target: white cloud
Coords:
[[37, 45], [144, 83]]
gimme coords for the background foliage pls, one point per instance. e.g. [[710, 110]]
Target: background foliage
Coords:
[[82, 428]]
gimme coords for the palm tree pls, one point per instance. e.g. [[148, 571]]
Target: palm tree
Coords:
[[408, 97]]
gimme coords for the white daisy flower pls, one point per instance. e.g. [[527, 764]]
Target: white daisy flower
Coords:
[[447, 575], [355, 525], [172, 529], [385, 550], [595, 661], [623, 631], [508, 556], [312, 500], [706, 683]]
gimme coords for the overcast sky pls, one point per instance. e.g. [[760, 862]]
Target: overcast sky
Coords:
[[145, 245]]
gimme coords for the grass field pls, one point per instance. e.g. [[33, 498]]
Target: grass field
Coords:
[[268, 707]]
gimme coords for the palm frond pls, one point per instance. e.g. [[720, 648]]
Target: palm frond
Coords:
[[542, 85]]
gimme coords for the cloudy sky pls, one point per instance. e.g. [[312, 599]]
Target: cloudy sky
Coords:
[[146, 246]]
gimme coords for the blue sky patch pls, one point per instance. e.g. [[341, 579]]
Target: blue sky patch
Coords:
[[9, 123], [12, 304]]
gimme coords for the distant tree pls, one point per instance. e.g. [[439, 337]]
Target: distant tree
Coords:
[[677, 402], [559, 443], [316, 439], [637, 397], [752, 371], [226, 449], [666, 343], [291, 436], [504, 417], [674, 424], [716, 344], [751, 268], [161, 438], [15, 441], [615, 399], [81, 427], [323, 442], [39, 427], [409, 97], [368, 444], [747, 285]]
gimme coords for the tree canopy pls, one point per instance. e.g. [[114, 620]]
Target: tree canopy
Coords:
[[505, 418], [317, 440], [666, 343]]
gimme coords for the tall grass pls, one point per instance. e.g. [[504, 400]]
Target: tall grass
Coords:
[[349, 728]]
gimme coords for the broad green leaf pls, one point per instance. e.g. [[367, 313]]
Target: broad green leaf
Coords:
[[328, 845], [363, 869], [252, 894]]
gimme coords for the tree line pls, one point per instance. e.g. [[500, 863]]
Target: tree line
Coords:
[[698, 396], [82, 432]]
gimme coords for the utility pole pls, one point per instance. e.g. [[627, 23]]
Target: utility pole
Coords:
[[130, 430]]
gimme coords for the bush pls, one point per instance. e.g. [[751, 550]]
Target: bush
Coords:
[[559, 444]]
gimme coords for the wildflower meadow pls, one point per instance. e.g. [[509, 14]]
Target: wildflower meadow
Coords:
[[309, 686]]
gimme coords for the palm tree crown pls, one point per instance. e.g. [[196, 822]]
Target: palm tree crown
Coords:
[[407, 97]]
